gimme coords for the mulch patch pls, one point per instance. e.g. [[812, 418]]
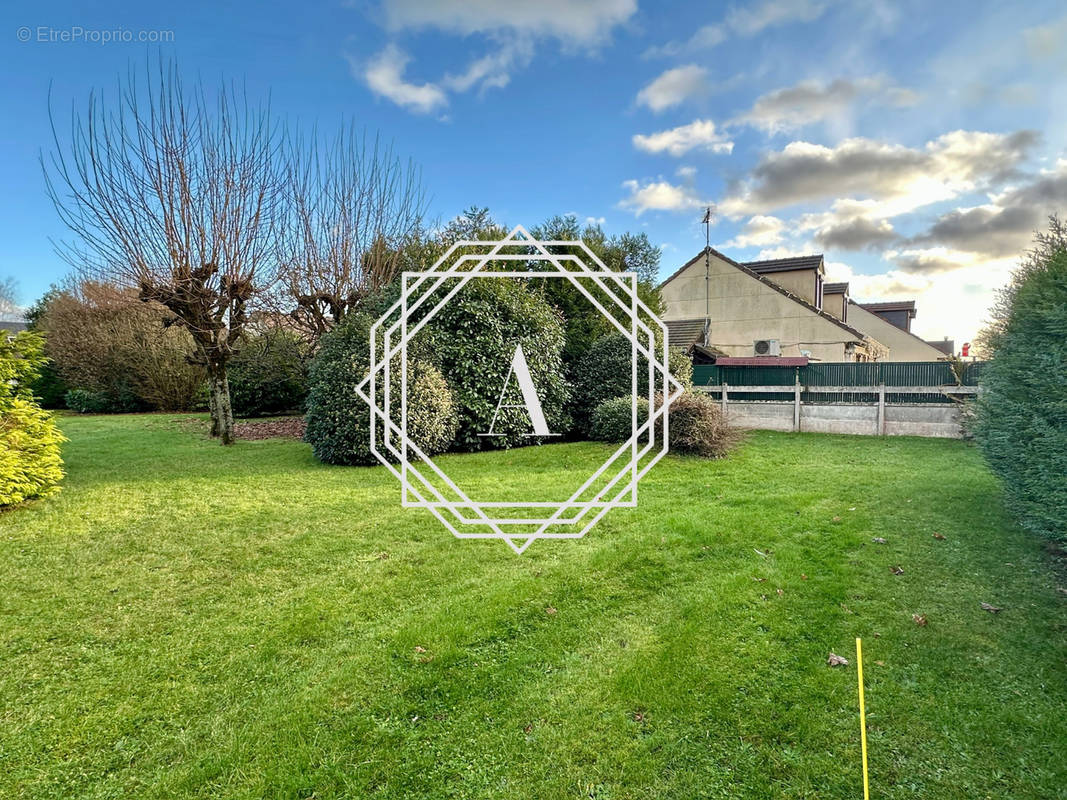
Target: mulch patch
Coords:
[[292, 428]]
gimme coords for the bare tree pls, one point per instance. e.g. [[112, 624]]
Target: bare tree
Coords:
[[177, 196], [8, 297], [352, 206]]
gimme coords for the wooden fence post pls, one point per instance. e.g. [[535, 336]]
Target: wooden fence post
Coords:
[[881, 409], [796, 404], [725, 386]]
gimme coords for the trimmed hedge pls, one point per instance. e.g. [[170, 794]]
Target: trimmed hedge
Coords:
[[268, 375], [1021, 421], [338, 421], [30, 462], [604, 373]]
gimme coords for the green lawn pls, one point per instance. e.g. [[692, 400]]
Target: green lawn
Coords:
[[184, 620]]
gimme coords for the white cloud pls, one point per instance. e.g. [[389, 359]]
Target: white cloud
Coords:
[[752, 19], [697, 135], [660, 195], [759, 231], [587, 22], [899, 178], [384, 75], [811, 101], [595, 220], [743, 22], [492, 71], [673, 87]]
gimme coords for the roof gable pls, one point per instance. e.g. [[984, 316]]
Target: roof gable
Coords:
[[858, 335]]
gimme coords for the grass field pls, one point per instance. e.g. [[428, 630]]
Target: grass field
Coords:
[[185, 620]]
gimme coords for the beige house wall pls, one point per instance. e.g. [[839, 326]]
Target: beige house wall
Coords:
[[835, 304], [744, 309], [800, 282], [902, 345]]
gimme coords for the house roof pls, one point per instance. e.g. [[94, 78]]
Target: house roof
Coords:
[[685, 332], [835, 288], [859, 335], [946, 346], [891, 305], [786, 264], [13, 326], [762, 361], [866, 307]]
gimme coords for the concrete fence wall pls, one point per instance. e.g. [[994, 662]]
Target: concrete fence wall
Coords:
[[941, 420], [926, 419]]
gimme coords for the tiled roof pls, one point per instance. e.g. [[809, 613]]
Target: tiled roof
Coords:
[[892, 305], [785, 264], [684, 332], [835, 288]]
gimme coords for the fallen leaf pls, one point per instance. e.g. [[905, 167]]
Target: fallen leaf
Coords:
[[939, 536], [527, 728], [836, 519], [803, 577], [919, 619], [420, 649], [780, 592], [990, 609], [639, 717], [878, 540], [880, 663], [758, 580], [763, 597], [852, 509], [550, 610], [896, 569], [836, 661]]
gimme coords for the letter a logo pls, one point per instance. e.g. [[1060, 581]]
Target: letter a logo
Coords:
[[531, 403]]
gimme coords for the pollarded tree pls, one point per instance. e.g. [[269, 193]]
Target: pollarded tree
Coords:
[[175, 193], [352, 206]]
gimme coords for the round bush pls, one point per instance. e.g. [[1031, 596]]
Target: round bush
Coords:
[[613, 420], [604, 373], [698, 427], [472, 340], [338, 421]]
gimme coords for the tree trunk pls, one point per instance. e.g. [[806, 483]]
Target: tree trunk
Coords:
[[221, 409], [212, 403]]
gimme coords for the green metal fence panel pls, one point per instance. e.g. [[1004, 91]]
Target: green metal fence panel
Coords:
[[891, 373]]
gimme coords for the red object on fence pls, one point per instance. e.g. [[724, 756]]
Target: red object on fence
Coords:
[[966, 349]]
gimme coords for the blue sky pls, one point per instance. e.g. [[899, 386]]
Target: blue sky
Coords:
[[916, 145]]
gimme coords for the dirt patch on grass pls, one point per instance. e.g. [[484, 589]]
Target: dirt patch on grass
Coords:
[[291, 428]]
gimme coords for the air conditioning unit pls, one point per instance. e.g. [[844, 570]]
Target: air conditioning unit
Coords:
[[766, 347]]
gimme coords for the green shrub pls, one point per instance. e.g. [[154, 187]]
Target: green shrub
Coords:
[[268, 375], [613, 419], [1021, 423], [338, 421], [698, 427], [50, 388], [604, 373], [472, 340], [85, 401], [30, 463]]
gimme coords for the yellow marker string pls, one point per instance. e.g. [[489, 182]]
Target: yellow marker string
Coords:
[[863, 717]]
